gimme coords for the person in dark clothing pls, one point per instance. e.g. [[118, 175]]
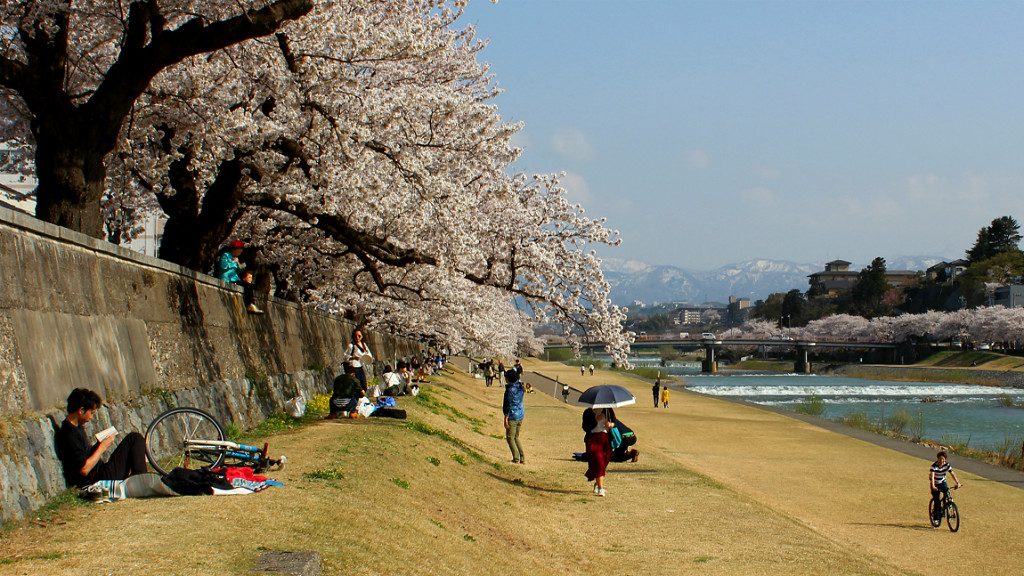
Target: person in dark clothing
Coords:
[[347, 390], [622, 439], [656, 390], [83, 460]]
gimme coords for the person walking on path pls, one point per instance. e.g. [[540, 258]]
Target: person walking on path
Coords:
[[656, 390], [565, 393], [597, 423], [583, 371], [514, 410], [591, 369], [664, 396]]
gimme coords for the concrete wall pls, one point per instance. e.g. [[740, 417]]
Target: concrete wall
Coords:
[[145, 334]]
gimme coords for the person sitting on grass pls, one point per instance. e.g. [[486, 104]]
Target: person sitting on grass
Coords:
[[347, 391], [82, 459], [937, 479], [393, 383]]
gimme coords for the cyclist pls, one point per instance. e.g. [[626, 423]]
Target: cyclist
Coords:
[[937, 477]]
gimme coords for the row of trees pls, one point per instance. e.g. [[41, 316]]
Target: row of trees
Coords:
[[983, 324], [353, 142]]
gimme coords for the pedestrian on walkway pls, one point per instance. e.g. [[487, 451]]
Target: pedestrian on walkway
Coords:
[[591, 369], [565, 392], [597, 423], [514, 411], [656, 390], [664, 396]]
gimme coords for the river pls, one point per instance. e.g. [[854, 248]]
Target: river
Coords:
[[950, 413]]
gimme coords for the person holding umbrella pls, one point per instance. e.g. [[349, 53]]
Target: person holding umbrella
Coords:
[[597, 421]]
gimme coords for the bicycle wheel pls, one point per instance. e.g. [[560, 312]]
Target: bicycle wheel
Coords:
[[952, 516], [167, 436], [936, 521]]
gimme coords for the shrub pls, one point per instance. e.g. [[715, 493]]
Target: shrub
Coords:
[[917, 427], [898, 422], [813, 406], [859, 420]]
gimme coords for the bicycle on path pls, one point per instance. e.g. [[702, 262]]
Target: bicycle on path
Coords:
[[191, 438], [949, 510]]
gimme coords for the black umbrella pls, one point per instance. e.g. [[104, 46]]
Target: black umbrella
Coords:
[[607, 396]]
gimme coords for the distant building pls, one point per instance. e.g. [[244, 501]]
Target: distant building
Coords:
[[693, 315], [946, 271], [1011, 296], [837, 279]]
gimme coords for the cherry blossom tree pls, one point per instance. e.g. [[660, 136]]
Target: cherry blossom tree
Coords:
[[359, 150], [71, 73]]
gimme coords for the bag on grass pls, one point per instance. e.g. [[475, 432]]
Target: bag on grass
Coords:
[[296, 407]]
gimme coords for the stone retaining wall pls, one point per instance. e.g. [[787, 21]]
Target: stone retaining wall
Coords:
[[145, 334]]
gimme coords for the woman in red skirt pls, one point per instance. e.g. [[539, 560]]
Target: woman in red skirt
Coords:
[[597, 423]]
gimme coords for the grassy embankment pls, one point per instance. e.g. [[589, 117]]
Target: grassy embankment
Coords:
[[721, 489]]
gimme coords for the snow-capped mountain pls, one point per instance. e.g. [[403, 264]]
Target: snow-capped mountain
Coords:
[[633, 280]]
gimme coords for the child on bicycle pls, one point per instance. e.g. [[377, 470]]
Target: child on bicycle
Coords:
[[937, 479]]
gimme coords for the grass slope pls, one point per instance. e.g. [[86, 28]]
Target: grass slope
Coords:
[[719, 489]]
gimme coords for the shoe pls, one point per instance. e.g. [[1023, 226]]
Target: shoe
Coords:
[[523, 461], [596, 489], [252, 309], [600, 492], [636, 454], [514, 461]]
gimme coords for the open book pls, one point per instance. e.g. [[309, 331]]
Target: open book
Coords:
[[105, 433]]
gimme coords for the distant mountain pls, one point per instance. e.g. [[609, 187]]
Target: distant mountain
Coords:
[[633, 280]]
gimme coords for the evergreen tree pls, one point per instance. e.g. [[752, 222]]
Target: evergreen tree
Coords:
[[1003, 235], [870, 288]]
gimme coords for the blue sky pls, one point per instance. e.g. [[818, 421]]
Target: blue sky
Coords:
[[715, 132]]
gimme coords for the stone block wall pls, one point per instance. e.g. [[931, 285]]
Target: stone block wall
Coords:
[[145, 334]]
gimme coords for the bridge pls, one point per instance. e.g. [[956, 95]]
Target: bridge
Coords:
[[709, 364]]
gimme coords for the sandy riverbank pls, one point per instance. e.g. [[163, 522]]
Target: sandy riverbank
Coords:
[[721, 488]]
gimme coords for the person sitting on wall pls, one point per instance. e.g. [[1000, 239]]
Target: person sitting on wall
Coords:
[[229, 269], [83, 461], [346, 394]]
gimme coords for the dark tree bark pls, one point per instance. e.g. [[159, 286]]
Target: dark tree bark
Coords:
[[74, 139]]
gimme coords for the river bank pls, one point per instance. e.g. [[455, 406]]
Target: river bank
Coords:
[[721, 488], [894, 373], [1006, 378]]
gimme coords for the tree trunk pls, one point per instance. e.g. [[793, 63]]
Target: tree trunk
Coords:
[[193, 233], [71, 183]]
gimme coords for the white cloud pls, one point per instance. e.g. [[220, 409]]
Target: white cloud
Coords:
[[576, 188], [697, 159], [572, 144]]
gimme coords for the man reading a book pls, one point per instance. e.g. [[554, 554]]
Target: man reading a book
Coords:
[[82, 459]]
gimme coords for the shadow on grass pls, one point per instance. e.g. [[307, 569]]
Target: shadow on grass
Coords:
[[519, 482], [906, 526]]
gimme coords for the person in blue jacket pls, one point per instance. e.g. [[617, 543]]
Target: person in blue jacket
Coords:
[[514, 410]]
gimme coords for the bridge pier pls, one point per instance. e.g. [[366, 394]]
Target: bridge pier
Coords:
[[803, 361], [709, 365]]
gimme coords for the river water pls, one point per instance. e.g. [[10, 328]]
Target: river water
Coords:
[[950, 413]]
